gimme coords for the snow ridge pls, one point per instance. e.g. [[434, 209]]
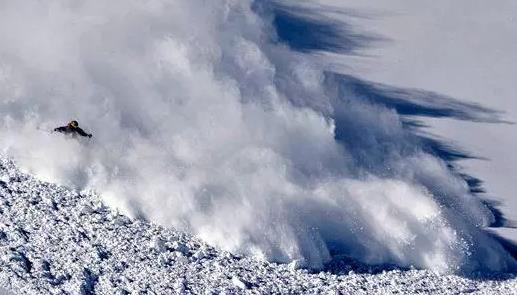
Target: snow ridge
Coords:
[[54, 240]]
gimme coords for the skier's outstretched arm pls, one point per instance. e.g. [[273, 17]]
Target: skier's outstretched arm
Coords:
[[82, 133], [60, 129]]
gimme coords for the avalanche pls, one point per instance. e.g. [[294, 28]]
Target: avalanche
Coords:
[[211, 120]]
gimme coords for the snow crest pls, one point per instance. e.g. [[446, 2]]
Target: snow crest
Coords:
[[202, 121]]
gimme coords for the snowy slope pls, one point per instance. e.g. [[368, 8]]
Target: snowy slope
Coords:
[[240, 129], [54, 240], [230, 129]]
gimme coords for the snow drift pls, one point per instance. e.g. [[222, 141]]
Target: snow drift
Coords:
[[204, 122]]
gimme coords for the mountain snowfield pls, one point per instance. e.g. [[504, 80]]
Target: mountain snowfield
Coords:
[[54, 240], [229, 136]]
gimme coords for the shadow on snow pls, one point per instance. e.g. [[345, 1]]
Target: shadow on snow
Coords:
[[309, 29]]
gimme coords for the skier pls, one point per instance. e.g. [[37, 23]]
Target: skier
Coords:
[[73, 129]]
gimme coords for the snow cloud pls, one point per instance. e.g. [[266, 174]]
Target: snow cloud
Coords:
[[203, 121]]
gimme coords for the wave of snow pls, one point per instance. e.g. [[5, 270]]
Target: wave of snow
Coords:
[[202, 121]]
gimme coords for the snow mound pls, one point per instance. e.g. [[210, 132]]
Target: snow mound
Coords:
[[54, 240]]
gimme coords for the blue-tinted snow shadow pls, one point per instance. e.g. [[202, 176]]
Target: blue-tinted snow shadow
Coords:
[[308, 30], [413, 105]]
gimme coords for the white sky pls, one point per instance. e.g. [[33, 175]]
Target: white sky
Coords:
[[466, 49]]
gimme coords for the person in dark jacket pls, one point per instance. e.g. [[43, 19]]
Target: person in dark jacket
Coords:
[[73, 129]]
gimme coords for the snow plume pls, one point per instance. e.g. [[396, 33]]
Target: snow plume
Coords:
[[203, 121]]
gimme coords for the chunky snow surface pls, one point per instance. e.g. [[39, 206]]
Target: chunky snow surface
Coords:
[[54, 240]]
